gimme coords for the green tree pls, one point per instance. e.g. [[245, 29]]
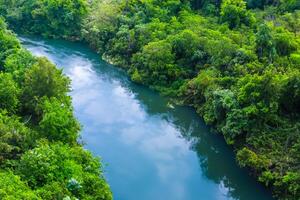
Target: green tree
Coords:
[[122, 46], [234, 12], [8, 43], [43, 79], [15, 138], [290, 96], [156, 63], [101, 23], [188, 51], [57, 122], [9, 93], [17, 63], [284, 41], [247, 157], [265, 46], [262, 3], [292, 21], [11, 187], [67, 166], [259, 97], [289, 5]]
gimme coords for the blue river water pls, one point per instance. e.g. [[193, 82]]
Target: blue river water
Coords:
[[151, 150]]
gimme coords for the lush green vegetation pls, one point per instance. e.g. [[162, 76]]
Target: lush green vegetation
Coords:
[[52, 18], [237, 62], [40, 157]]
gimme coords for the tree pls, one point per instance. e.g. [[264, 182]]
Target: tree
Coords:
[[15, 137], [11, 187], [290, 96], [101, 23], [234, 12], [259, 97], [247, 157], [289, 5], [265, 46], [72, 168], [9, 93], [188, 51], [292, 21], [261, 3], [17, 63], [284, 42], [8, 43], [122, 46], [43, 79], [156, 63], [57, 122]]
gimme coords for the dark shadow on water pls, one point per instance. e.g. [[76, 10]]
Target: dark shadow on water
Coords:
[[216, 158]]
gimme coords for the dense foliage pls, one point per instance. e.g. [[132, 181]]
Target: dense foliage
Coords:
[[236, 61], [40, 157], [53, 18]]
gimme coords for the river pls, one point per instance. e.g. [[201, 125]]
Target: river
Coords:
[[151, 150]]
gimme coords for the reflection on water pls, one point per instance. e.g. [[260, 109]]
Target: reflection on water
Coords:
[[152, 152]]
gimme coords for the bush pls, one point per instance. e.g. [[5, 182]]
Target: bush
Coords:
[[57, 122], [57, 166], [43, 79], [248, 158], [11, 187], [9, 93]]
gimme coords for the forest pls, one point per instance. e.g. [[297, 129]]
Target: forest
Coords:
[[237, 62], [40, 154]]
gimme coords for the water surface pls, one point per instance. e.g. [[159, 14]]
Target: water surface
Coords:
[[151, 150]]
